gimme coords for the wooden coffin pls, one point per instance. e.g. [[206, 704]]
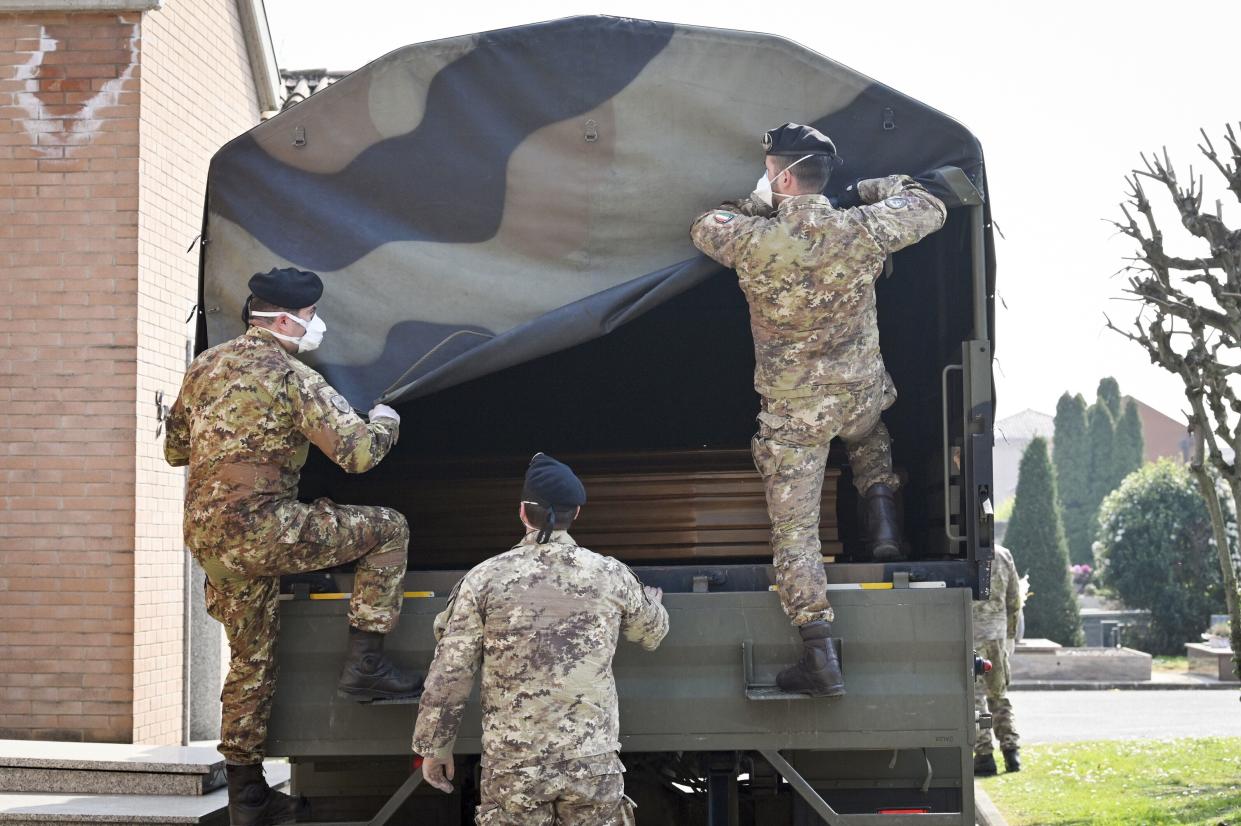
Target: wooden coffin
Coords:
[[642, 507]]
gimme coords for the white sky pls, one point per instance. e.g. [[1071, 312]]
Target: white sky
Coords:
[[1063, 97]]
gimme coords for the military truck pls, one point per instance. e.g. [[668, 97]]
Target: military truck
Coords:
[[501, 221]]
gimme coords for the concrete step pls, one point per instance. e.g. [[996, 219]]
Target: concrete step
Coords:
[[30, 766], [209, 809]]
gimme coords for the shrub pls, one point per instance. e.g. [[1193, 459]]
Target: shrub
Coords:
[[1155, 551]]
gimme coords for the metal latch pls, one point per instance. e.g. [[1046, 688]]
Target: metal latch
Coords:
[[701, 583], [161, 412]]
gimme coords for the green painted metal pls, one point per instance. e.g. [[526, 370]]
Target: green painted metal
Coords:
[[907, 659]]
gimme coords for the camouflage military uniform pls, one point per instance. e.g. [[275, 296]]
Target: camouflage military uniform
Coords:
[[243, 422], [543, 620], [808, 272], [995, 622]]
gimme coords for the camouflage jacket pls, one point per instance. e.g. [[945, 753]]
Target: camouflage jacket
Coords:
[[808, 271], [543, 620], [246, 415], [996, 619]]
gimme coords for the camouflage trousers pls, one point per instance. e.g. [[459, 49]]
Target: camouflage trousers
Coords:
[[243, 590], [991, 691], [790, 452], [584, 792]]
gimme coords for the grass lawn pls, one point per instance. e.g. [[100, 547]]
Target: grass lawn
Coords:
[[1188, 782], [1179, 665]]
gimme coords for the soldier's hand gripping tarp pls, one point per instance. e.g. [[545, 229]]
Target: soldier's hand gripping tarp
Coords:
[[477, 202]]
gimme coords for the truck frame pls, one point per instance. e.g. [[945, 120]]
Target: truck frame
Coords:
[[707, 737]]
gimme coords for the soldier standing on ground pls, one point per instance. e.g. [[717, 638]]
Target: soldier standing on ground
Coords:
[[543, 621], [808, 270], [243, 422], [995, 628]]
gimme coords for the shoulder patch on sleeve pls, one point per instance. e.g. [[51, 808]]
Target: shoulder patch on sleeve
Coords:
[[341, 403], [896, 202], [722, 217]]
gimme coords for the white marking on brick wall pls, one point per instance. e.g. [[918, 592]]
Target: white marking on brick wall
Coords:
[[83, 121], [107, 94], [28, 99]]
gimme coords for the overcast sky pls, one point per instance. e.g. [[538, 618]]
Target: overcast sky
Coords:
[[1062, 96]]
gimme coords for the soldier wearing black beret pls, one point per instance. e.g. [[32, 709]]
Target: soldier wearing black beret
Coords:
[[244, 421], [808, 269], [542, 621]]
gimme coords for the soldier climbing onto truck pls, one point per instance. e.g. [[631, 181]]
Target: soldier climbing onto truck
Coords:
[[808, 270], [243, 422], [543, 621]]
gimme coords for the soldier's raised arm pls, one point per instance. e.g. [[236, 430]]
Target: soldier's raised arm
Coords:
[[327, 419], [177, 435], [643, 619], [898, 211], [724, 233], [458, 655]]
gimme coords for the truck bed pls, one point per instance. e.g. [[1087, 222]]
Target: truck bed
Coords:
[[708, 688]]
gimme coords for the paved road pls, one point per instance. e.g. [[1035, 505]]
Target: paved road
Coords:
[[1060, 716]]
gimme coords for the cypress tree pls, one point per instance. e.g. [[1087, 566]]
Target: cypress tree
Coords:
[[1036, 538], [1102, 435], [1109, 394], [1071, 454], [1130, 446]]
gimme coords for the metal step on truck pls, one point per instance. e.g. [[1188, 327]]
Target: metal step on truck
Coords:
[[501, 221]]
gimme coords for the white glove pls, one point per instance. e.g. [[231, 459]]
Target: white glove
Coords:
[[382, 411]]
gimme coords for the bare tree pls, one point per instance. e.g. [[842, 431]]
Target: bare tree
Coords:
[[1189, 322]]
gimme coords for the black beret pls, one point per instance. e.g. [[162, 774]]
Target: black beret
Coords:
[[552, 484], [796, 139], [289, 288]]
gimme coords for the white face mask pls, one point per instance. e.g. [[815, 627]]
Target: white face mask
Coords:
[[310, 340], [762, 190]]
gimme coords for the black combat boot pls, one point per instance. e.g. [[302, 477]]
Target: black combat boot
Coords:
[[984, 765], [369, 675], [251, 802], [883, 532], [818, 671], [1012, 760]]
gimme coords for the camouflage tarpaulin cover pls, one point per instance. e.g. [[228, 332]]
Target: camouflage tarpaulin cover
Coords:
[[477, 202]]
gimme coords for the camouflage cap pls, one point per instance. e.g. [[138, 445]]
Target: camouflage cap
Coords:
[[287, 287], [796, 139]]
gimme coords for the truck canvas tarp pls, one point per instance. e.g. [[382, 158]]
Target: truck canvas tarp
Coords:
[[501, 222], [476, 202]]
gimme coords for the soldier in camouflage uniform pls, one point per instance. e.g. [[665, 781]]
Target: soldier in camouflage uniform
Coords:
[[543, 621], [995, 627], [243, 422], [808, 270]]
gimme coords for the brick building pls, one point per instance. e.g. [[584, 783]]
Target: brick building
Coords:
[[109, 114]]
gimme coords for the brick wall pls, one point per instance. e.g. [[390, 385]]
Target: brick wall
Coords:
[[197, 94], [107, 122], [68, 276]]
